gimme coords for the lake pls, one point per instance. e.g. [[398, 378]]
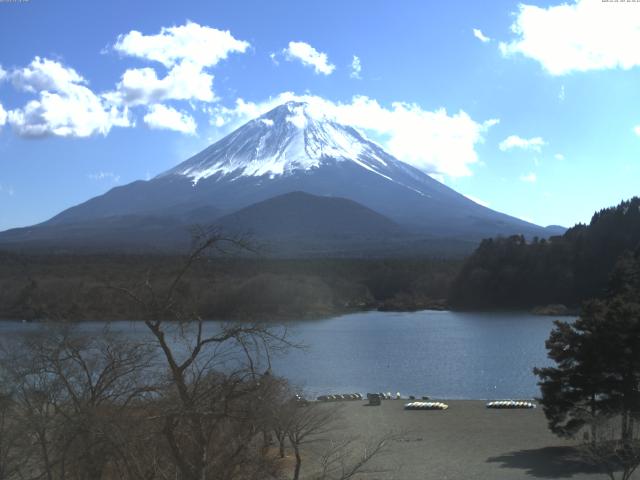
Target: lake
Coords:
[[441, 354]]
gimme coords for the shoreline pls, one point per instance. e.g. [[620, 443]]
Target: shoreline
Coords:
[[325, 315]]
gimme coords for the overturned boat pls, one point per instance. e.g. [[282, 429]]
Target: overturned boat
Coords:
[[426, 406]]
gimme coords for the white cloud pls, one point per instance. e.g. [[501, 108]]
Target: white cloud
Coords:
[[309, 56], [45, 74], [163, 117], [141, 86], [577, 36], [514, 141], [561, 95], [491, 122], [356, 68], [558, 156], [529, 177], [66, 107], [3, 115], [3, 73], [185, 51], [105, 176], [433, 141], [480, 36], [193, 43], [636, 129]]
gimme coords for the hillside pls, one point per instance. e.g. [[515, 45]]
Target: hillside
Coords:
[[292, 148], [512, 272]]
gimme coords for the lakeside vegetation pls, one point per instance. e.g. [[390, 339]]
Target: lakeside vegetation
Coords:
[[85, 287]]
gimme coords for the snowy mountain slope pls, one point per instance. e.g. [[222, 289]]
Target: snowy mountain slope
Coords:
[[289, 138], [294, 148]]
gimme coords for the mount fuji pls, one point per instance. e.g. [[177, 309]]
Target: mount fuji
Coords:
[[348, 191]]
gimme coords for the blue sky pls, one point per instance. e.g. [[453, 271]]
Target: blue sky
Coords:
[[531, 109]]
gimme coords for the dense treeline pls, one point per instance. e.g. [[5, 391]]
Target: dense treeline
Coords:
[[568, 269], [85, 287]]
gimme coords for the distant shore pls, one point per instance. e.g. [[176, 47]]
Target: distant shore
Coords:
[[390, 307]]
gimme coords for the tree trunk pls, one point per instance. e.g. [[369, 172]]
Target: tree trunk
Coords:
[[281, 436], [296, 473], [625, 428], [203, 471], [44, 450]]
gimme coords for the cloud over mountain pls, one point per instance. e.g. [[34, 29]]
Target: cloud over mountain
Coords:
[[186, 51], [435, 141], [163, 117]]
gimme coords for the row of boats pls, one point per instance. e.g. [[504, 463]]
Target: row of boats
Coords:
[[357, 396], [426, 406], [339, 397], [374, 399], [511, 404]]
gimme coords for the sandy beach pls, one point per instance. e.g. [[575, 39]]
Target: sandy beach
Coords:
[[467, 441]]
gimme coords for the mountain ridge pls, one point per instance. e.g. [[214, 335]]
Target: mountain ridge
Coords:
[[300, 214], [291, 148]]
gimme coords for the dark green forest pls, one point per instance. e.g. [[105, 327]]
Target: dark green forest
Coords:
[[515, 273], [87, 287]]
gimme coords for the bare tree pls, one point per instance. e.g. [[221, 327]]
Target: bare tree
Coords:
[[72, 393], [308, 424], [36, 395], [338, 458], [11, 460], [192, 400], [346, 459], [275, 410], [213, 371]]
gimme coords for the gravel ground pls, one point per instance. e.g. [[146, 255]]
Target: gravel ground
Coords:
[[467, 441]]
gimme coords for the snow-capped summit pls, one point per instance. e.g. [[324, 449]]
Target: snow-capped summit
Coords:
[[245, 180], [292, 136]]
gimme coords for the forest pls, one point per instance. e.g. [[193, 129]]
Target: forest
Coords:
[[86, 287], [505, 273]]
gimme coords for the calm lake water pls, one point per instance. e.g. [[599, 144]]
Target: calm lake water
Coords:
[[441, 354]]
